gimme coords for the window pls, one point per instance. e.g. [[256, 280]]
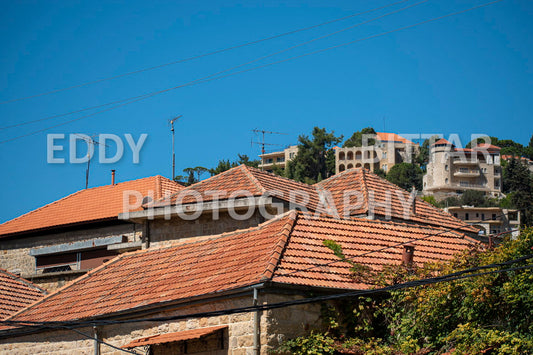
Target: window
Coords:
[[446, 167], [280, 160], [494, 216], [384, 155], [467, 216], [385, 167], [80, 260], [291, 155], [483, 216], [464, 183], [269, 161], [463, 170], [455, 215]]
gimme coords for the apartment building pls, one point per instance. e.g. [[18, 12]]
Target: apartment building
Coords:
[[389, 149], [279, 158], [489, 220], [451, 170]]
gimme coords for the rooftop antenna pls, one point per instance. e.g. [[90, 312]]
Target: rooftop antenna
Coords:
[[90, 141], [262, 143], [173, 155]]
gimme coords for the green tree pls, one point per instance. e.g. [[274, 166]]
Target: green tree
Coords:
[[224, 165], [315, 159], [422, 158], [518, 183], [406, 175], [356, 140], [194, 174]]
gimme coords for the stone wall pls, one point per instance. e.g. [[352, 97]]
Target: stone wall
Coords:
[[162, 231], [275, 326], [15, 252]]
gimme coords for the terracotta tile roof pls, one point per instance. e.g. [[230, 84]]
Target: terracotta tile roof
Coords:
[[485, 146], [172, 337], [392, 137], [94, 204], [285, 250], [243, 178], [306, 261], [16, 293], [375, 194], [203, 266], [442, 141]]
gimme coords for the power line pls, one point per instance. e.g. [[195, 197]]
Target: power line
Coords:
[[352, 258], [463, 274], [202, 55], [227, 69], [210, 78]]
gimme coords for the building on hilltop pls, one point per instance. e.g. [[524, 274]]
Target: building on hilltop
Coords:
[[389, 149], [489, 220], [279, 158], [451, 170], [59, 242]]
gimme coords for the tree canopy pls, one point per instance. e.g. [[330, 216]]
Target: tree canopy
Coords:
[[356, 140], [406, 175], [315, 159]]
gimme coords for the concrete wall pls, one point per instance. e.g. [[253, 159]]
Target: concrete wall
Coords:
[[275, 326]]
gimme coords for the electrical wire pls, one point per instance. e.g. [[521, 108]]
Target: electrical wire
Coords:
[[459, 275], [202, 55], [222, 71], [203, 80], [353, 258]]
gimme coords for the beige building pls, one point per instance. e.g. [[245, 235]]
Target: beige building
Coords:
[[489, 220], [281, 158], [390, 149], [451, 170]]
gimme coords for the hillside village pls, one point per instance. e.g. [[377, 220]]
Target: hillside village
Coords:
[[156, 266]]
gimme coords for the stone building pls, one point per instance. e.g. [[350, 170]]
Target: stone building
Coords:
[[61, 241], [389, 149], [182, 298], [451, 170], [489, 220], [244, 197], [279, 158]]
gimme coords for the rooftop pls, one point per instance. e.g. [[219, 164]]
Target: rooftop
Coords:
[[392, 137], [287, 250], [16, 293], [86, 206]]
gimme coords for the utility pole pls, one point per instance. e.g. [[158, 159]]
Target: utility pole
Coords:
[[173, 155]]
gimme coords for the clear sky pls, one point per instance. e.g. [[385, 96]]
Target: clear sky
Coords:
[[465, 74]]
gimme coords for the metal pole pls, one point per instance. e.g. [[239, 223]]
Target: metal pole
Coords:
[[173, 155]]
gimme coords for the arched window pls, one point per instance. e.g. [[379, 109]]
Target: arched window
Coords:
[[342, 156], [341, 167], [350, 155], [350, 166]]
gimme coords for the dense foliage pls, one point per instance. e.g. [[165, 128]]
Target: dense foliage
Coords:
[[406, 176], [489, 313], [366, 136], [315, 159]]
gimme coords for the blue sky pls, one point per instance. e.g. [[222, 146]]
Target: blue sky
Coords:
[[466, 74]]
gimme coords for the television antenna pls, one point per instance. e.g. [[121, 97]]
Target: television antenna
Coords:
[[91, 142], [173, 155]]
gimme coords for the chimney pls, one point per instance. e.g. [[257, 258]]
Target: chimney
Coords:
[[112, 176], [407, 255]]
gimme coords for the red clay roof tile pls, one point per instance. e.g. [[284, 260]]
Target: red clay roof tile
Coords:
[[94, 204], [286, 250], [16, 293]]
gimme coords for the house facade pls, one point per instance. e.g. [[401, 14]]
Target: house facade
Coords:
[[188, 296], [279, 158], [61, 241], [451, 170], [489, 220], [389, 149]]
